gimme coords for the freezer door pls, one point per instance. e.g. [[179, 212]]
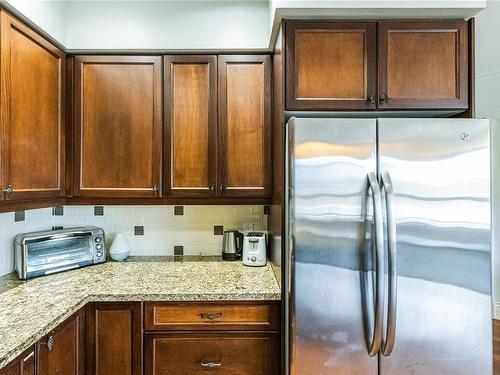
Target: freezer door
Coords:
[[328, 162], [440, 171]]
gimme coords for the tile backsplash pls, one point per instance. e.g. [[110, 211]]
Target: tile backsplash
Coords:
[[150, 230]]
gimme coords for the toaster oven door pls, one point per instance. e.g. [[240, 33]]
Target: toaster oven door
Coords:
[[57, 253]]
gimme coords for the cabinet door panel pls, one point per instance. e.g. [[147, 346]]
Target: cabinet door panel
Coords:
[[22, 365], [231, 354], [32, 111], [114, 338], [118, 126], [62, 350], [330, 65], [191, 124], [423, 65], [244, 110]]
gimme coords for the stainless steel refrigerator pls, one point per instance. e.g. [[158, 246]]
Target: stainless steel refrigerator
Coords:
[[388, 267]]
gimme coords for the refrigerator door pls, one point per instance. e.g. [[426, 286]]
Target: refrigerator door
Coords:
[[330, 326], [440, 172]]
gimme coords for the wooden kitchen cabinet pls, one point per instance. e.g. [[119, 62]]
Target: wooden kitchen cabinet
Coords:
[[118, 126], [32, 112], [62, 351], [244, 125], [114, 338], [330, 65], [423, 64], [22, 365], [200, 353], [190, 125]]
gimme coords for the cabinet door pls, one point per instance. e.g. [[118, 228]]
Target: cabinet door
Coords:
[[201, 353], [190, 125], [114, 338], [32, 75], [22, 365], [244, 126], [423, 65], [118, 126], [330, 65], [62, 351]]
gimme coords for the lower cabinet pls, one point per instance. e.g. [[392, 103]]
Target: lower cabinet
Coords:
[[22, 365], [231, 353], [114, 338], [62, 351]]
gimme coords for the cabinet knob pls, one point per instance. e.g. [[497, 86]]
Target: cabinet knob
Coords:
[[155, 189], [9, 191], [384, 97], [371, 99], [221, 189], [49, 342], [210, 364]]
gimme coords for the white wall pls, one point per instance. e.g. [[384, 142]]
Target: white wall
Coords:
[[167, 24], [50, 16], [488, 106], [194, 230]]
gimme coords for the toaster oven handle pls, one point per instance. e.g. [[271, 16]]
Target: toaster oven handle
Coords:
[[29, 240], [67, 268]]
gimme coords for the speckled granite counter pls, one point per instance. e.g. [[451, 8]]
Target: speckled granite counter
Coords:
[[29, 310]]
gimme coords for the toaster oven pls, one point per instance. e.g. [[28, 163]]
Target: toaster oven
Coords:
[[48, 252]]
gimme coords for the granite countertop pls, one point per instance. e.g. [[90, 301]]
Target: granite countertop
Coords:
[[29, 310]]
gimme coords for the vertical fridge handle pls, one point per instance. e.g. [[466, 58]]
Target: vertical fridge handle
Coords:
[[376, 338], [390, 334]]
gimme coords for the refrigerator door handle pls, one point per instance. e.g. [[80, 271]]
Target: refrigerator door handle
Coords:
[[390, 334], [376, 338]]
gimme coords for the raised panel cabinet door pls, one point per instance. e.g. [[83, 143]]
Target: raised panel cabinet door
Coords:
[[190, 125], [32, 112], [330, 65], [62, 351], [244, 126], [114, 338], [118, 126], [22, 365], [423, 64], [202, 353]]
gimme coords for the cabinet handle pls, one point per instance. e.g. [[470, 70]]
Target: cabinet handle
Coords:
[[9, 191], [155, 189], [211, 316], [210, 364], [212, 189], [49, 343], [384, 97], [371, 99], [221, 189]]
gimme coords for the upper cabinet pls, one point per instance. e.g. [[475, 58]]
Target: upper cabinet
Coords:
[[191, 125], [330, 65], [118, 126], [245, 125], [32, 112], [423, 65], [217, 126]]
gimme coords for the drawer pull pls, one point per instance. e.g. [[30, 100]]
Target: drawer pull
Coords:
[[210, 364], [211, 316]]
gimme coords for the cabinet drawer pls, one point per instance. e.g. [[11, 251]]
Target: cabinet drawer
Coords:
[[220, 353], [207, 316]]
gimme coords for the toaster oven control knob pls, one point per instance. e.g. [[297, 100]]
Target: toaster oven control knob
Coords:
[[99, 253], [98, 247], [98, 239], [253, 259]]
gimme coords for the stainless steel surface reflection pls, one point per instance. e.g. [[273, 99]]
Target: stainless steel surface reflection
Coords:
[[435, 275], [329, 161], [440, 172]]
